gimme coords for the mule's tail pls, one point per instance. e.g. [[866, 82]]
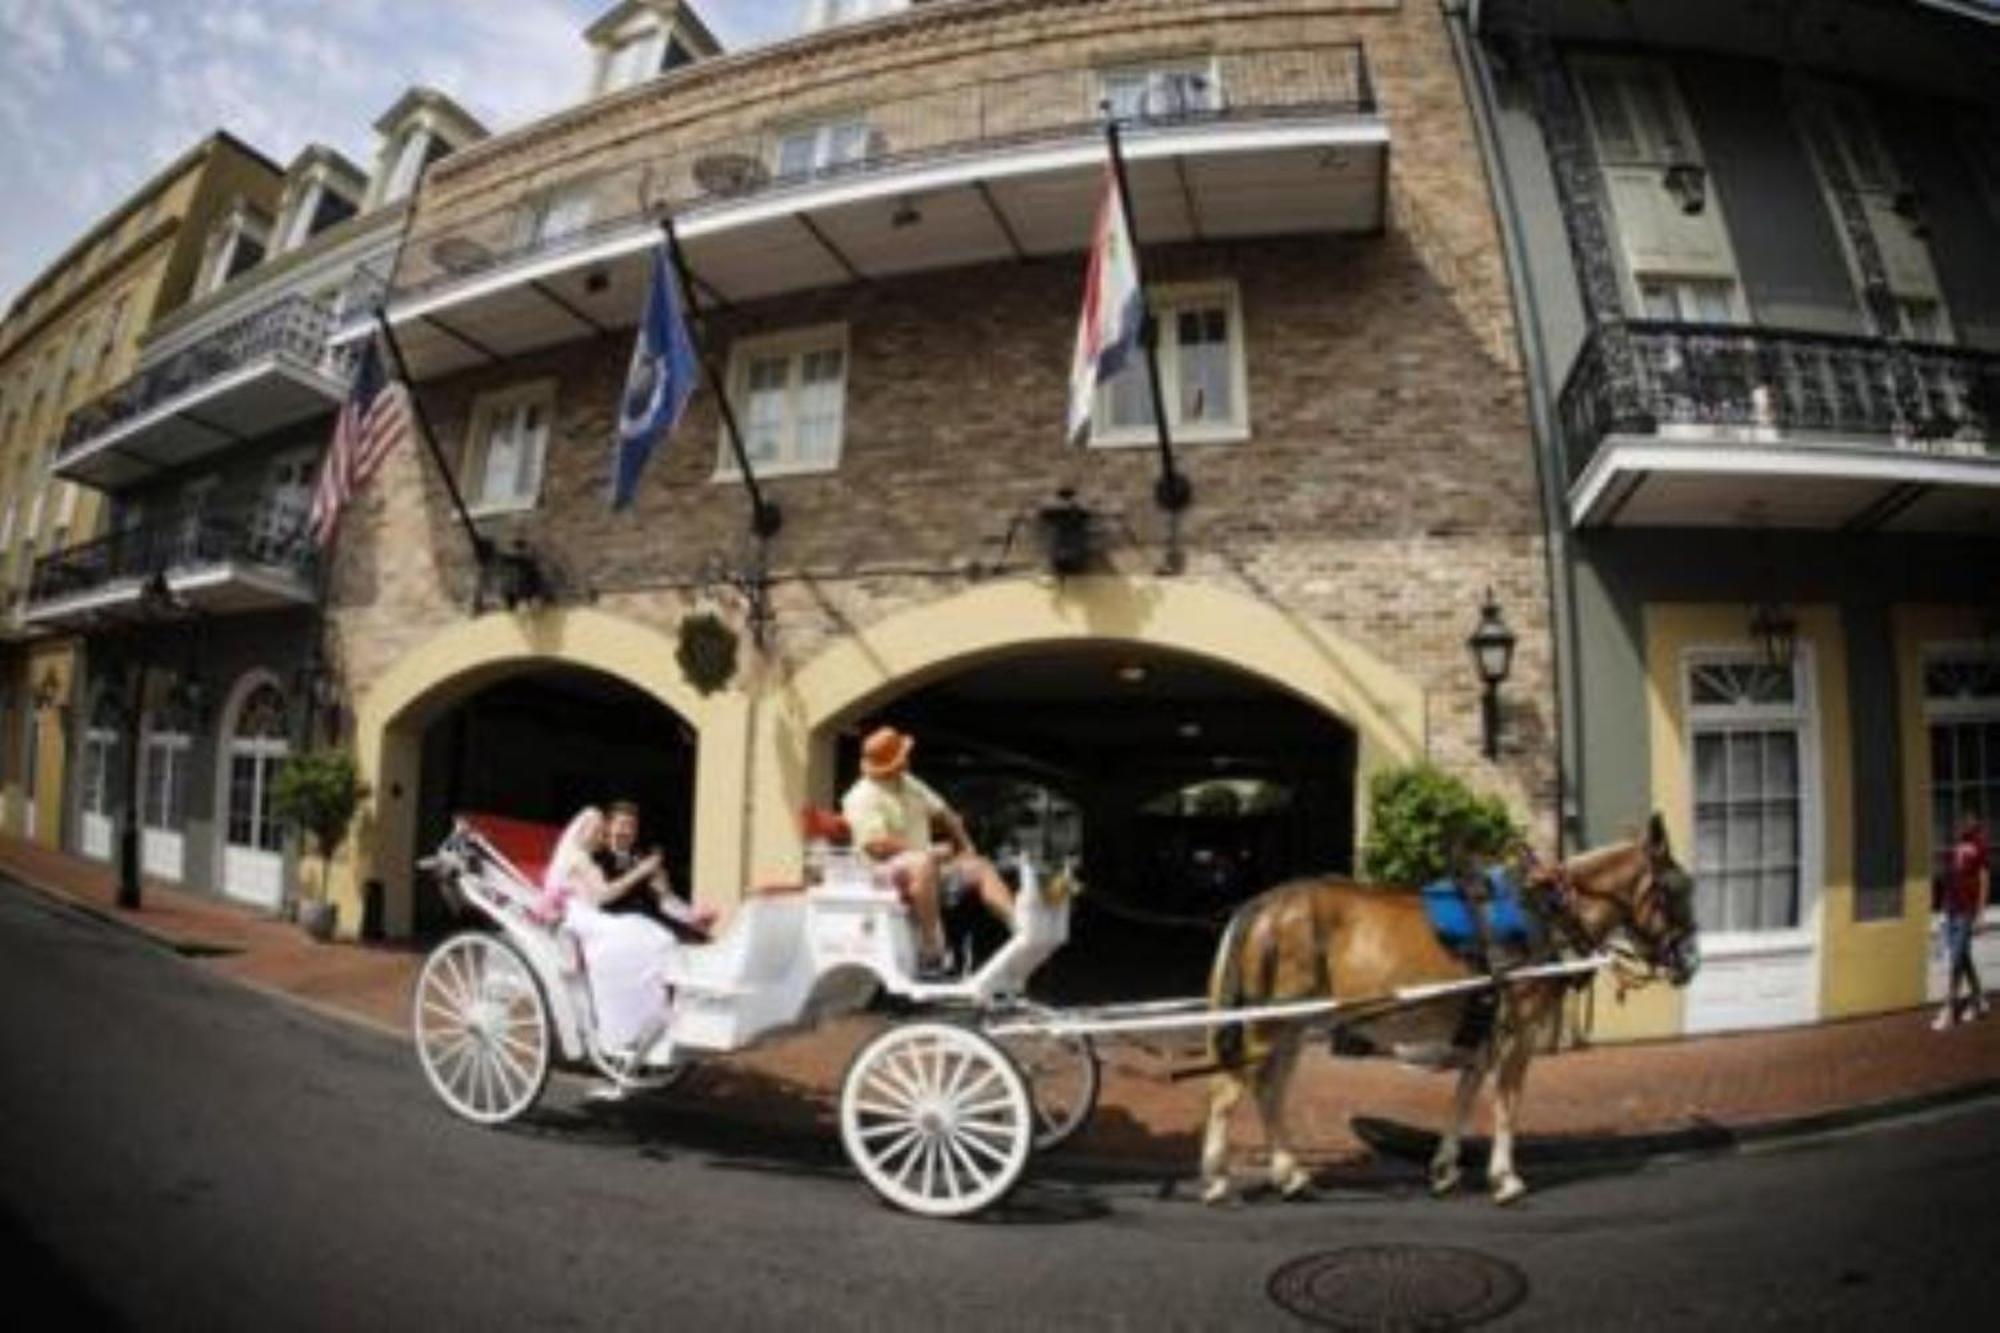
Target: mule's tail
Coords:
[[1225, 987]]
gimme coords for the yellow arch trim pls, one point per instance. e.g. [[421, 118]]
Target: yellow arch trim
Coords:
[[391, 715], [1293, 652]]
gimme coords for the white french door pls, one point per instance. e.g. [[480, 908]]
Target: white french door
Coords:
[[163, 798], [1755, 783], [253, 851], [1961, 684]]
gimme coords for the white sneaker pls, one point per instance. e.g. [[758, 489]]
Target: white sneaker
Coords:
[[1943, 1020]]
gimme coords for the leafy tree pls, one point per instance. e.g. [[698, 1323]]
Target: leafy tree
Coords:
[[1425, 824], [320, 792]]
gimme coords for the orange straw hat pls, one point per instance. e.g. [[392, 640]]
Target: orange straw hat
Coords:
[[886, 752]]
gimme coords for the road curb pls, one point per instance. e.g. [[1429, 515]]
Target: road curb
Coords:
[[111, 916], [1408, 1142]]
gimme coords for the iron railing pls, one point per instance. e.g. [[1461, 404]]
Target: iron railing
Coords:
[[258, 536], [977, 117], [294, 327], [1776, 386]]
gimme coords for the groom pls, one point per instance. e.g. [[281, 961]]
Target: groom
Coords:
[[639, 882]]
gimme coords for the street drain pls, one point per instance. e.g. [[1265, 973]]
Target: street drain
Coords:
[[1396, 1287]]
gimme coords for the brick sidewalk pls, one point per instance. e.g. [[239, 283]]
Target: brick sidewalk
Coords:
[[1735, 1082]]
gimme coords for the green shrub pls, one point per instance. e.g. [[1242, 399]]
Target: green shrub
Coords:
[[1425, 824], [320, 792]]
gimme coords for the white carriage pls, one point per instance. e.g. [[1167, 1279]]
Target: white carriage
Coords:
[[938, 1115]]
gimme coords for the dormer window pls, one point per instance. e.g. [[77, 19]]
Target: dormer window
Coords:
[[643, 39], [236, 245], [315, 201], [832, 13], [421, 129], [413, 154]]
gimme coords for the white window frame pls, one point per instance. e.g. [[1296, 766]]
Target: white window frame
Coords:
[[1205, 68], [823, 132], [794, 345], [1802, 716], [833, 13], [633, 55], [472, 458], [404, 163], [1955, 710], [1167, 303], [571, 204], [165, 754]]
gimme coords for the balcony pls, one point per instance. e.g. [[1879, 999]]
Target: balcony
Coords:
[[1720, 425], [1252, 143], [268, 370], [255, 560]]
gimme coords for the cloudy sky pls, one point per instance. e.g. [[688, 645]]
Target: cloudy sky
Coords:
[[96, 95]]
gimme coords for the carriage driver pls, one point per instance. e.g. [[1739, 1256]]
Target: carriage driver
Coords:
[[889, 809]]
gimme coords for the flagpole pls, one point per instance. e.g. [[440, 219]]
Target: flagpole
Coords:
[[765, 516], [482, 549], [1172, 491]]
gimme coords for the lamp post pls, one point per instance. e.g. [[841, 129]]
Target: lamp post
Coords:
[[157, 602], [1492, 646]]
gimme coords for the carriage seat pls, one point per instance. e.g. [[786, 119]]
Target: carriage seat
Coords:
[[528, 846]]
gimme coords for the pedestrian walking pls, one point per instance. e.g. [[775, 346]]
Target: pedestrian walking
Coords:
[[1968, 885]]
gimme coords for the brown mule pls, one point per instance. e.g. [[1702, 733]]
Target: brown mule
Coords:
[[1330, 937]]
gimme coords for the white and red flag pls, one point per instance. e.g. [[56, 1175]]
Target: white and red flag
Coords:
[[373, 421], [1114, 307]]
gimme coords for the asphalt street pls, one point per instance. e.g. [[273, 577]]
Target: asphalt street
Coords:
[[177, 1152]]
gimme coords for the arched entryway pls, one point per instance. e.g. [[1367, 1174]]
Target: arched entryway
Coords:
[[255, 741], [1180, 786], [511, 677], [543, 743], [1365, 711]]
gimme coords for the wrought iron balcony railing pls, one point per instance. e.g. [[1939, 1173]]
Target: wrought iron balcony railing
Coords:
[[259, 536], [1763, 387], [294, 326], [1047, 106]]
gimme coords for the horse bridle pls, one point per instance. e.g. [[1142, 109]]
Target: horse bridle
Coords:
[[1654, 901]]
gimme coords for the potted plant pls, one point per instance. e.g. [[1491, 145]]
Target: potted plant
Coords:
[[319, 792]]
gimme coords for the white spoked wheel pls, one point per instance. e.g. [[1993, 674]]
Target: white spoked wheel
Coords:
[[1062, 1076], [482, 1028], [937, 1119]]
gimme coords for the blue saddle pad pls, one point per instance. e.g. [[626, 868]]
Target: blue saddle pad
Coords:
[[1507, 921]]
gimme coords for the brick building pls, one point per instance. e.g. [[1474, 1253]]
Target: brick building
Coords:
[[885, 222]]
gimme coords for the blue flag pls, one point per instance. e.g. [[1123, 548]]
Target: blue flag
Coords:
[[659, 382]]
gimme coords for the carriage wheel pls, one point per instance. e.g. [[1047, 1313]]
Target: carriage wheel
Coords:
[[937, 1119], [482, 1028], [1062, 1077]]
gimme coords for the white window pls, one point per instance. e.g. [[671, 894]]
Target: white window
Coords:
[[561, 211], [1202, 376], [279, 523], [636, 55], [507, 446], [163, 790], [258, 749], [1962, 712], [100, 750], [236, 247], [827, 13], [1163, 91], [1749, 734], [789, 392], [826, 146], [1688, 300]]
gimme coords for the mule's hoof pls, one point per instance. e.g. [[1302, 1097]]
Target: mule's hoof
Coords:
[[1443, 1180], [1298, 1185], [1507, 1189], [1217, 1193]]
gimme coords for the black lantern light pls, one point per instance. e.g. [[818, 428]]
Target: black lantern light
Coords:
[[1776, 634], [48, 691], [1688, 184], [1492, 646], [1066, 531]]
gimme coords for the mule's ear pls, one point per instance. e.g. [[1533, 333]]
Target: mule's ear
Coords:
[[1656, 835]]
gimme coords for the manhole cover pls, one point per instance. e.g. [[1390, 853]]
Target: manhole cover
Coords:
[[1398, 1287]]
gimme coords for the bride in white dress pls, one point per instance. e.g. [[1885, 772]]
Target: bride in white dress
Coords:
[[626, 955]]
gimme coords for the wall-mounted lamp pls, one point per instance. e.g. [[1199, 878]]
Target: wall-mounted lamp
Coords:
[[1776, 634], [48, 691], [1688, 184], [1066, 532], [1491, 644], [514, 576]]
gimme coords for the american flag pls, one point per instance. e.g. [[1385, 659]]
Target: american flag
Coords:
[[373, 421]]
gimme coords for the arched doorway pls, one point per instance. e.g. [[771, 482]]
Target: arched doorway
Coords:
[[256, 742], [544, 741], [1181, 785]]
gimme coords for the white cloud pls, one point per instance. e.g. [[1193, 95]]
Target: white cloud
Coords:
[[96, 95]]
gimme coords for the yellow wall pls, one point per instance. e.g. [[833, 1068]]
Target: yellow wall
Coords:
[[57, 661]]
